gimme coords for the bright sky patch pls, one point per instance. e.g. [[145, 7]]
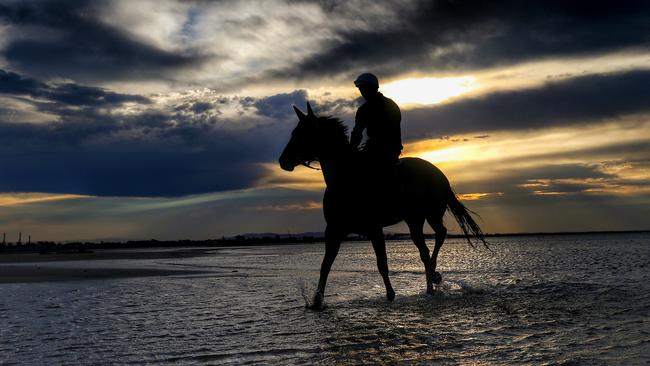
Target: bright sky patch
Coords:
[[428, 90]]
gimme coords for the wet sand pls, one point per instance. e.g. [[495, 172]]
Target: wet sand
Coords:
[[34, 267], [562, 300]]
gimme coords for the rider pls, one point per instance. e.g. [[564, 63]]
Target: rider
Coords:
[[381, 118]]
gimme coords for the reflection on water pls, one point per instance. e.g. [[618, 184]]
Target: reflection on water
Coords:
[[536, 300]]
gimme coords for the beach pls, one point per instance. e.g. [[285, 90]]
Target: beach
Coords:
[[571, 300]]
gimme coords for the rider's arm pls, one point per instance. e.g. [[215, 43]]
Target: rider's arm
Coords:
[[357, 132], [395, 117]]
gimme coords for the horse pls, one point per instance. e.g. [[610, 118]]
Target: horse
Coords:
[[360, 201]]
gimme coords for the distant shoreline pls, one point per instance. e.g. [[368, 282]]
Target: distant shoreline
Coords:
[[567, 233], [50, 247]]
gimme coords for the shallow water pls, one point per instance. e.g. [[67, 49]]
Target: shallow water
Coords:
[[570, 300]]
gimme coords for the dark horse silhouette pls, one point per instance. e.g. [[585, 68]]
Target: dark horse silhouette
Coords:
[[356, 201]]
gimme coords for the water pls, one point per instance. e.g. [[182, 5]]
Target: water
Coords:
[[568, 300]]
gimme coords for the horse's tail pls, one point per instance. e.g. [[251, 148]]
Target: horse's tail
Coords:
[[464, 218]]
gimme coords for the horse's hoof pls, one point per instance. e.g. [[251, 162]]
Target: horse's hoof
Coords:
[[316, 303], [430, 290], [437, 278], [314, 306], [390, 294]]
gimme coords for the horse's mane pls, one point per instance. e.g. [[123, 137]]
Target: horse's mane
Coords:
[[333, 133], [333, 126]]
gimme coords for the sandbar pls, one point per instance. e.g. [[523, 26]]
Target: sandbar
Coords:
[[34, 267]]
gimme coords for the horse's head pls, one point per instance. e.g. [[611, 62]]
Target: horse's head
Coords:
[[303, 145]]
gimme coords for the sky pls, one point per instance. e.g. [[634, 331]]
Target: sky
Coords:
[[165, 119]]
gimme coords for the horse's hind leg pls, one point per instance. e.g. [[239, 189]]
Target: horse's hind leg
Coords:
[[417, 235], [379, 245], [441, 232]]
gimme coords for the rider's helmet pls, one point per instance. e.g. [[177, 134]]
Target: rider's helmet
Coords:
[[366, 79]]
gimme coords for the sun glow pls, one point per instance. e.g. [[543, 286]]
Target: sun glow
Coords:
[[428, 90], [300, 179], [12, 199], [444, 155]]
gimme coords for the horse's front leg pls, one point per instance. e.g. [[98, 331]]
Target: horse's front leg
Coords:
[[333, 239], [379, 245]]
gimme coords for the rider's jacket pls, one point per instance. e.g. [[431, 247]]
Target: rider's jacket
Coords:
[[381, 118]]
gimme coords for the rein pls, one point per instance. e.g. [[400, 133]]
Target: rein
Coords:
[[307, 164]]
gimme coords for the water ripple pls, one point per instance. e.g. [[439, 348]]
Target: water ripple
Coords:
[[537, 300]]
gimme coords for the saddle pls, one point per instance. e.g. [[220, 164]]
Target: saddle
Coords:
[[384, 191]]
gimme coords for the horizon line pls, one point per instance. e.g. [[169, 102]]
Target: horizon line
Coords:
[[317, 236]]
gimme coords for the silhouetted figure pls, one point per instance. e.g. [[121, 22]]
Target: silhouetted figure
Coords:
[[381, 118], [426, 196]]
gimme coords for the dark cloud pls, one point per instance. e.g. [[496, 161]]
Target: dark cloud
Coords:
[[565, 171], [585, 99], [620, 153], [94, 150], [344, 109], [69, 94], [539, 179], [136, 156], [68, 39], [65, 39], [73, 94], [200, 107], [566, 179], [565, 212], [279, 105], [12, 83], [456, 35]]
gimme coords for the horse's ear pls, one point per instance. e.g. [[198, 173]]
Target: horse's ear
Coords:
[[310, 112], [300, 114]]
